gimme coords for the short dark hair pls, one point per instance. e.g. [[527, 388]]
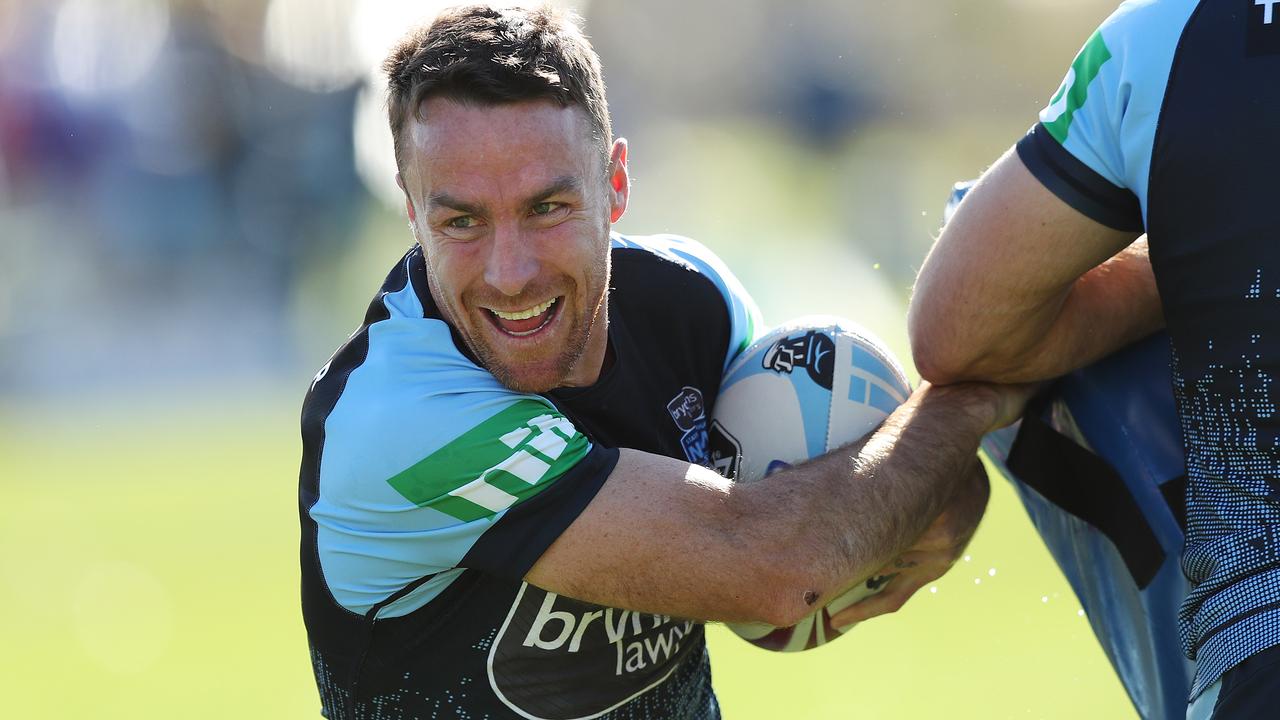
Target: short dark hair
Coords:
[[492, 56]]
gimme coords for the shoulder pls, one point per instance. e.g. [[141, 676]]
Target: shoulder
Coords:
[[1121, 71], [1098, 128], [674, 254], [1134, 30], [1142, 37], [396, 314], [687, 275], [1138, 22], [665, 261], [676, 249]]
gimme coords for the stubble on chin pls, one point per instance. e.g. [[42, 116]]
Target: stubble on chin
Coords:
[[553, 375]]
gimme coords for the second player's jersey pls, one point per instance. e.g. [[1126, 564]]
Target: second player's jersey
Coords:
[[1169, 121], [428, 490]]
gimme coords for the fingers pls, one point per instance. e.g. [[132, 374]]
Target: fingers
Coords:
[[907, 562], [911, 572], [889, 601]]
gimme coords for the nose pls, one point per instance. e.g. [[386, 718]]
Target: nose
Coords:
[[512, 261]]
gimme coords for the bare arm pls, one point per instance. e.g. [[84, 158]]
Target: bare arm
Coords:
[[1022, 287], [667, 537]]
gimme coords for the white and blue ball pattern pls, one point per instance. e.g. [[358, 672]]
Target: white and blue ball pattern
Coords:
[[805, 388]]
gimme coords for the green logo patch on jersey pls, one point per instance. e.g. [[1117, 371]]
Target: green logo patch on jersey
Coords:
[[496, 464], [1075, 87]]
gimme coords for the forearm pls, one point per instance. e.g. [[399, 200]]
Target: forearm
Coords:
[[1107, 308], [1110, 306], [873, 500]]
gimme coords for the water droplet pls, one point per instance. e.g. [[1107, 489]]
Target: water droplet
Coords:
[[968, 558], [933, 589], [1044, 598], [875, 266], [1080, 613], [991, 572], [977, 581]]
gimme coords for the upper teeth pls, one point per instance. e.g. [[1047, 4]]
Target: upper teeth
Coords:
[[534, 311]]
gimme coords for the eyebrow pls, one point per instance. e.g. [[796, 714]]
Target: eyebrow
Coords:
[[562, 184], [444, 199]]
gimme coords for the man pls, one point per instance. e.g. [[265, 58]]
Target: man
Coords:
[[501, 514], [1165, 123]]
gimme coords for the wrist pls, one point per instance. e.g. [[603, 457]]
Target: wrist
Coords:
[[982, 405]]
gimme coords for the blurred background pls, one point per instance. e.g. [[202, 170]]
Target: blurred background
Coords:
[[196, 204]]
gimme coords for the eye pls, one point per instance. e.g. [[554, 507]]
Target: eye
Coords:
[[546, 208], [463, 222]]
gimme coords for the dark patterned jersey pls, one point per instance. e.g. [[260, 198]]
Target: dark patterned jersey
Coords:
[[1169, 121], [428, 490]]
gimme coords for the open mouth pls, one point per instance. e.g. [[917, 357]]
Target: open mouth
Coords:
[[522, 323]]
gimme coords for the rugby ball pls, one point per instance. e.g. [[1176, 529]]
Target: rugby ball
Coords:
[[807, 387]]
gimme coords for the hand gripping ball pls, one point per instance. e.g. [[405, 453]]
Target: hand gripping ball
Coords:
[[807, 387]]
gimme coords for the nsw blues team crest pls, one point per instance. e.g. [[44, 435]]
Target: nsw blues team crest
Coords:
[[690, 414]]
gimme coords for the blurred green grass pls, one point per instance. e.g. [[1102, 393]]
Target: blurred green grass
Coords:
[[148, 568]]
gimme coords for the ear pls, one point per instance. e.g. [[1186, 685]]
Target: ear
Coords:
[[408, 201], [619, 180]]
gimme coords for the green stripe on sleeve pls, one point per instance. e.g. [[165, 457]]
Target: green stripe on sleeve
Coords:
[[1075, 87], [503, 461]]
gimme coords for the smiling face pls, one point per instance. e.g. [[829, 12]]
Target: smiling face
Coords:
[[513, 206]]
